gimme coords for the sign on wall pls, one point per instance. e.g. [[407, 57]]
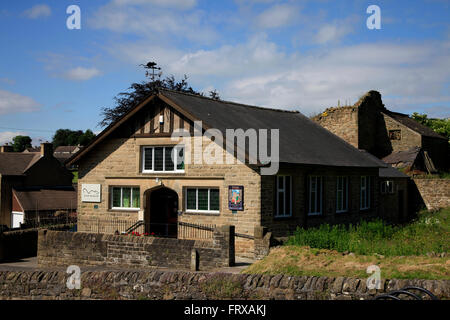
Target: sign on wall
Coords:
[[236, 197], [91, 192]]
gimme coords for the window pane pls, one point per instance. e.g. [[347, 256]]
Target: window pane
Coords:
[[280, 182], [169, 159], [148, 159], [116, 197], [126, 197], [136, 198], [202, 199], [191, 196], [280, 203], [214, 199], [159, 159], [180, 158]]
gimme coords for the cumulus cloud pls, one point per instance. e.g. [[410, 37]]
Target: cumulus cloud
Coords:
[[147, 20], [38, 11], [13, 103], [277, 16], [81, 74], [332, 33]]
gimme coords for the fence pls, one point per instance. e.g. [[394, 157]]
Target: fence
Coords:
[[180, 230]]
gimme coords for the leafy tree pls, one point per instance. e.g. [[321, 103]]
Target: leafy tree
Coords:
[[137, 92], [441, 126], [20, 143], [67, 137]]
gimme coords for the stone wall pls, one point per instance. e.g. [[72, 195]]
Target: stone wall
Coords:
[[434, 192], [18, 244], [57, 248], [181, 285]]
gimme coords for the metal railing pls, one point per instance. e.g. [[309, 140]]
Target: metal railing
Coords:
[[180, 230]]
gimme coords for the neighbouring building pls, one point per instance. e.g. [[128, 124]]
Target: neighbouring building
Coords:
[[127, 172], [62, 153], [27, 179], [391, 136]]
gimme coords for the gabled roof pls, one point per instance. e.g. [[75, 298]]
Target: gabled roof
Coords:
[[406, 157], [302, 141], [413, 124], [16, 163], [388, 171], [66, 149]]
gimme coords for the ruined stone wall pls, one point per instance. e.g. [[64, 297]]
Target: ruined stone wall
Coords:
[[434, 192], [342, 121], [159, 285]]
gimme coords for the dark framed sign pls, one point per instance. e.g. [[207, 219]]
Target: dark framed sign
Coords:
[[236, 198]]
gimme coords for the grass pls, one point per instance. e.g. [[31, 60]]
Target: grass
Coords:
[[75, 177], [418, 250], [300, 261], [430, 232]]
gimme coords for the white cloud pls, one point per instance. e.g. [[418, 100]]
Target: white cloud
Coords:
[[81, 73], [277, 16], [332, 33], [12, 103], [175, 4], [38, 11], [150, 21], [7, 136]]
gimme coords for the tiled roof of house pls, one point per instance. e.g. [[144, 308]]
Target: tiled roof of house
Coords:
[[16, 163], [388, 171], [406, 157], [302, 141], [47, 198], [66, 149]]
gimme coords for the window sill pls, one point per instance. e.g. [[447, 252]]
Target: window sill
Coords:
[[162, 172], [282, 217], [124, 209], [203, 213], [314, 214]]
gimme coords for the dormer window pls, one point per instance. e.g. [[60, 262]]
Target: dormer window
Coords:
[[163, 159]]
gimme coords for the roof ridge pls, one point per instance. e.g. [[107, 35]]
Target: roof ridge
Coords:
[[229, 102]]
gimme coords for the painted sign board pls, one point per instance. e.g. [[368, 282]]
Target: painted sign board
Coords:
[[90, 192]]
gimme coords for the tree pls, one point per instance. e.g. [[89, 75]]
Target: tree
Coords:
[[67, 137], [441, 126], [20, 143], [137, 92]]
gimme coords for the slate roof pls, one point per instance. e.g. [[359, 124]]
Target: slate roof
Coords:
[[407, 157], [413, 124], [302, 141], [16, 163], [47, 198]]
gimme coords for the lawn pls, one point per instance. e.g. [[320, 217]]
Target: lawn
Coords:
[[417, 250]]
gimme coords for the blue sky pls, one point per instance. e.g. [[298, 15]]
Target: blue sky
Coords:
[[303, 55]]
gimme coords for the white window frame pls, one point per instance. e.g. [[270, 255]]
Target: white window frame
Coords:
[[366, 189], [344, 191], [164, 159], [283, 192], [196, 200], [310, 191], [121, 198]]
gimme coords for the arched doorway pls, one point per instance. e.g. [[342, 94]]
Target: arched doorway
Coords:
[[161, 212]]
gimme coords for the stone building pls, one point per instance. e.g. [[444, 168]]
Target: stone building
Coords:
[[391, 136], [127, 172], [27, 172]]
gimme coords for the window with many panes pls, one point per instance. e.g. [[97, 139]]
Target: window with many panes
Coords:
[[315, 195], [125, 198], [202, 200], [341, 194], [163, 159], [284, 196], [365, 193]]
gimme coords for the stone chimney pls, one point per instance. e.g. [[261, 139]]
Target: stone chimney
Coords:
[[6, 148], [46, 149]]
